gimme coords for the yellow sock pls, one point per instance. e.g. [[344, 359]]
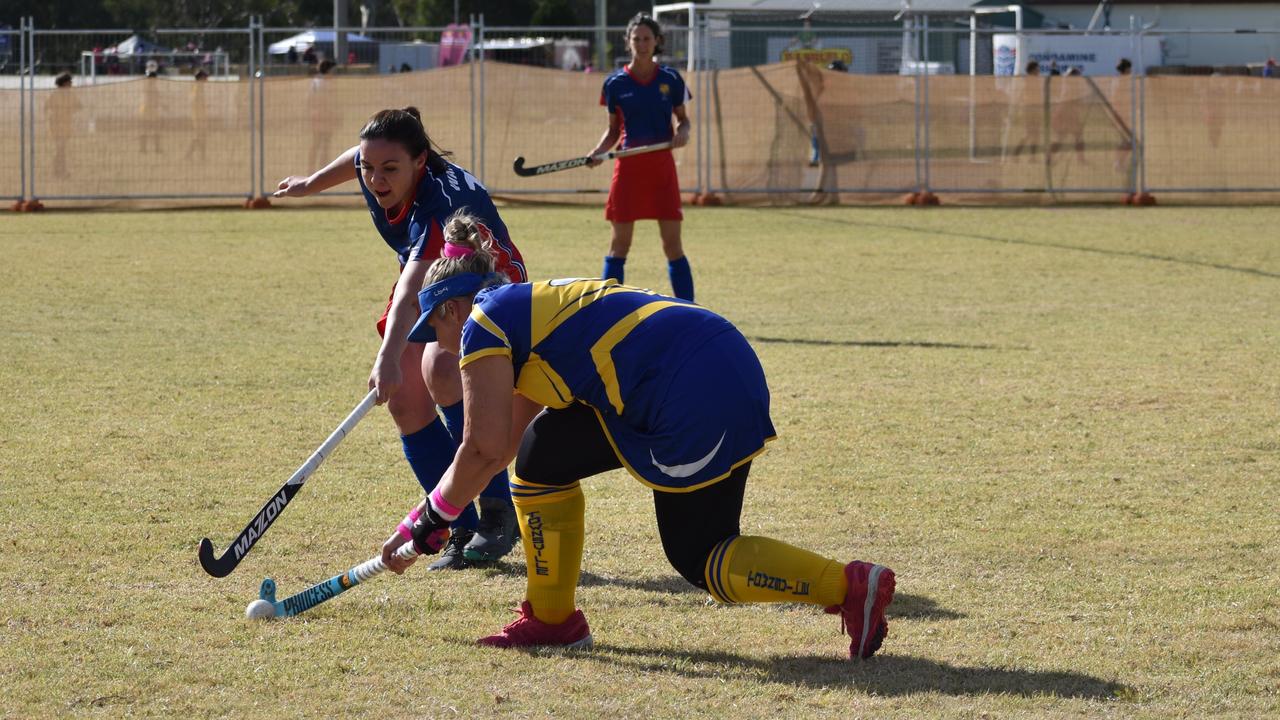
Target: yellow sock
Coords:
[[746, 569], [551, 530]]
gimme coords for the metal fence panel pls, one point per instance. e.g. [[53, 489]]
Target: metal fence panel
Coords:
[[1048, 134], [139, 124], [12, 112], [780, 114], [312, 116], [548, 109], [1213, 132]]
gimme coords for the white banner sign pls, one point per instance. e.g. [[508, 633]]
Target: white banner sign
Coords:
[[1091, 54]]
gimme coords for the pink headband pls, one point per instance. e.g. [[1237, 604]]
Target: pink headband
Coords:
[[454, 250]]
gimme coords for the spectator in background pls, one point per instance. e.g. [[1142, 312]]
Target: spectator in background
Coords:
[[1213, 96], [199, 116], [404, 67], [1068, 119], [1030, 104], [60, 112], [309, 56], [292, 55], [813, 88], [1123, 161], [322, 111], [149, 111], [1269, 70], [351, 57]]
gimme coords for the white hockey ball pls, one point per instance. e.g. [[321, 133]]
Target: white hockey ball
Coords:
[[260, 610]]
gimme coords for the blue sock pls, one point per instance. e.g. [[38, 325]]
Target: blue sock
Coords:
[[613, 267], [453, 420], [429, 452], [497, 489], [681, 278]]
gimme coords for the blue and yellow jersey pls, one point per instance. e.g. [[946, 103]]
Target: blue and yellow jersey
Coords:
[[677, 388]]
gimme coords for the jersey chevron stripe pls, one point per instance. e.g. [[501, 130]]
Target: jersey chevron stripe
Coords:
[[477, 315], [601, 352], [483, 353], [572, 299]]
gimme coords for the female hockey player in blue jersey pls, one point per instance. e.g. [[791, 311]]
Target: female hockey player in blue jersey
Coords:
[[411, 189], [641, 99], [572, 378]]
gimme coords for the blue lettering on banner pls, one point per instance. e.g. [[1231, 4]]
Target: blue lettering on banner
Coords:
[[1065, 57]]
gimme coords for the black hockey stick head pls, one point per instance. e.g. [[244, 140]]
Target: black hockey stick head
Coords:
[[215, 566], [543, 169]]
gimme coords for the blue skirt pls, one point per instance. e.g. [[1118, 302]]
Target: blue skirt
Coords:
[[699, 420]]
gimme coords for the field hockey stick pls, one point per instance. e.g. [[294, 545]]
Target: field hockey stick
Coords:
[[331, 588], [222, 566], [523, 171]]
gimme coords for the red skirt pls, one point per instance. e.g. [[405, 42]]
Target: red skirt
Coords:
[[644, 187]]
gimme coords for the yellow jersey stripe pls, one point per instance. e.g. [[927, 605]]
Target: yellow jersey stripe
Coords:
[[486, 352], [478, 316], [602, 351]]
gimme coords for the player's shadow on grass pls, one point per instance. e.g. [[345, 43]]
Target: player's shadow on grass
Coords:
[[915, 607], [919, 607], [671, 584], [668, 585], [1031, 243], [879, 343], [886, 674]]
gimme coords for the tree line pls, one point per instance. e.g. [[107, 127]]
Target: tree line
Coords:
[[146, 14]]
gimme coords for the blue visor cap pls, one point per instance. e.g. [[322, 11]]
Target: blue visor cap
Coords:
[[436, 293]]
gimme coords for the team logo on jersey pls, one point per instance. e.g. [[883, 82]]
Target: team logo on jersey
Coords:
[[684, 471], [664, 88]]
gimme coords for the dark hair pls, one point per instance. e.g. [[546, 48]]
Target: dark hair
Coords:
[[404, 126], [201, 75], [325, 66], [646, 20], [63, 80], [1124, 66], [1033, 66]]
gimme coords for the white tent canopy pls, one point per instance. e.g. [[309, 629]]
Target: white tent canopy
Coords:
[[135, 45], [306, 39]]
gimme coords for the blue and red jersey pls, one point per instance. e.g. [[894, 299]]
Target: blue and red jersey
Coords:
[[418, 232], [645, 107]]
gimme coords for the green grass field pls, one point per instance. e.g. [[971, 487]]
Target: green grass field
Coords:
[[1061, 427]]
